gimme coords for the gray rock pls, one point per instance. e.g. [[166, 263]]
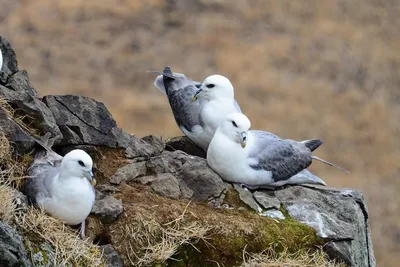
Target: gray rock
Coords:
[[107, 207], [155, 142], [12, 250], [167, 162], [267, 199], [163, 184], [203, 181], [166, 185], [10, 64], [129, 172], [186, 192], [339, 215], [20, 95], [107, 188], [82, 120], [111, 256], [184, 144], [20, 200], [134, 147], [273, 214], [247, 197], [21, 140]]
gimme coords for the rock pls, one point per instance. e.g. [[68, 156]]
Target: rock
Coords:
[[134, 147], [167, 162], [163, 184], [107, 188], [20, 95], [203, 181], [21, 140], [10, 64], [111, 256], [267, 199], [184, 144], [129, 172], [20, 200], [166, 185], [186, 192], [107, 207], [273, 214], [154, 142], [247, 197], [82, 120], [338, 215], [12, 250]]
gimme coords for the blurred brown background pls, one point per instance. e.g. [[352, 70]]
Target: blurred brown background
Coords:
[[301, 69]]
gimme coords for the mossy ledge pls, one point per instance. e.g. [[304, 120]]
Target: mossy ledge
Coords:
[[197, 235]]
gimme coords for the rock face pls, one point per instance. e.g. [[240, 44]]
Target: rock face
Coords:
[[160, 178], [12, 250]]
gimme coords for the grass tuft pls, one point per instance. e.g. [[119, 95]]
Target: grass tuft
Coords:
[[302, 258], [151, 242]]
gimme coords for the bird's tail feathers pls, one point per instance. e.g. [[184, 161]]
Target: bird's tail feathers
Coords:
[[312, 144], [329, 163]]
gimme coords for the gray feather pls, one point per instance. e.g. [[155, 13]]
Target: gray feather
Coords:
[[43, 169], [180, 90], [284, 158]]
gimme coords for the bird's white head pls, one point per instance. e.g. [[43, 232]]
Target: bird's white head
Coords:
[[235, 127], [215, 87], [78, 163], [1, 59]]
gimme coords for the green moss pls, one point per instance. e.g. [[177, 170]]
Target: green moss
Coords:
[[227, 248], [233, 200]]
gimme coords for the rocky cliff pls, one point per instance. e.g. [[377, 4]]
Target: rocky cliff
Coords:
[[157, 202]]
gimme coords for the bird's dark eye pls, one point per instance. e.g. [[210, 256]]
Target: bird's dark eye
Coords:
[[81, 163], [234, 124], [210, 85]]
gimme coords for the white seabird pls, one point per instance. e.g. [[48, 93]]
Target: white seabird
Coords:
[[260, 159], [62, 186], [198, 108], [1, 59]]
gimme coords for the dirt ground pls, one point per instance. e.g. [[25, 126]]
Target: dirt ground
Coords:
[[301, 69]]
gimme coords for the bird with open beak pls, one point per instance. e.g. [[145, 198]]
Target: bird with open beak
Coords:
[[198, 108]]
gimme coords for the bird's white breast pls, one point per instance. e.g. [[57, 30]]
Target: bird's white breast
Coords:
[[71, 199], [231, 161]]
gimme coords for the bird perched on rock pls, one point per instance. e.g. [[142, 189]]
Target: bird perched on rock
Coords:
[[260, 159], [62, 186], [198, 108]]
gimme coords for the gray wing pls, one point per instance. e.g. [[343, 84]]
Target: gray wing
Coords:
[[180, 91], [41, 173], [284, 158]]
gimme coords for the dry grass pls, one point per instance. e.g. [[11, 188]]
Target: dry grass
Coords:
[[270, 258], [68, 248], [24, 121], [7, 205], [152, 242], [11, 171]]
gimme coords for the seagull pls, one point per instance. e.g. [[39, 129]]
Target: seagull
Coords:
[[198, 108], [62, 186], [257, 159]]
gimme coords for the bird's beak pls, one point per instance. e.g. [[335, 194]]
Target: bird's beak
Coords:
[[197, 95], [89, 175], [243, 139]]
